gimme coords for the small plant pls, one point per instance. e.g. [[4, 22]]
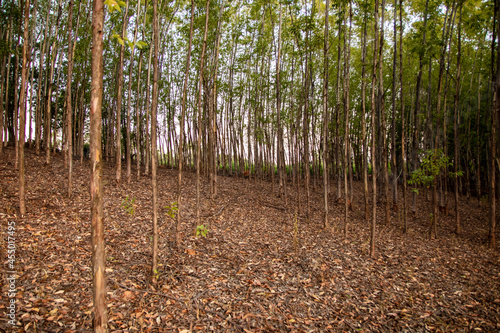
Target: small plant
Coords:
[[201, 231], [172, 209], [129, 205], [431, 166]]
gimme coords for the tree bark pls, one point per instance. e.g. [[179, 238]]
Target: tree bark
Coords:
[[69, 112], [22, 111], [198, 140], [181, 125], [326, 222], [154, 154], [119, 94], [96, 187], [374, 136]]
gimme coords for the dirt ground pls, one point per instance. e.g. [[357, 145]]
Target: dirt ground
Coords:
[[260, 268]]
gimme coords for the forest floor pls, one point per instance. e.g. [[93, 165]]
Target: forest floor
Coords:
[[253, 272]]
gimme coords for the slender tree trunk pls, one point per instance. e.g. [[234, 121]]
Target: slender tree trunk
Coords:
[[154, 154], [326, 222], [69, 112], [198, 140], [22, 111], [147, 146], [455, 123], [374, 136], [403, 117], [478, 143], [96, 199], [280, 152], [416, 126], [181, 138], [347, 54], [493, 139], [381, 108], [48, 111], [363, 120], [128, 154], [119, 100], [394, 169]]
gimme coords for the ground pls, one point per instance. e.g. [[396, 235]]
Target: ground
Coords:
[[254, 271]]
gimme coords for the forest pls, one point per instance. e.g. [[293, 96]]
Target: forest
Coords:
[[249, 165]]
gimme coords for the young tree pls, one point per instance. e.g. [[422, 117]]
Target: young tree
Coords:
[[96, 200]]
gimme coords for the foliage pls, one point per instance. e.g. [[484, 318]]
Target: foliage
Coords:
[[433, 162], [129, 205], [201, 231], [172, 209]]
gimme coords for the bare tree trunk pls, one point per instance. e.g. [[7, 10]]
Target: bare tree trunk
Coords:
[[154, 154], [181, 136], [381, 108], [347, 54], [119, 100], [394, 168], [96, 199], [69, 112], [455, 123], [493, 138], [198, 140], [147, 152], [128, 154], [22, 111], [280, 152], [374, 136], [403, 117], [326, 222], [363, 120]]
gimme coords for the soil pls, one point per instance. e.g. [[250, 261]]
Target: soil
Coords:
[[261, 267]]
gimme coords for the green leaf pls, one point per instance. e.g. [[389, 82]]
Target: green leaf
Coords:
[[120, 41]]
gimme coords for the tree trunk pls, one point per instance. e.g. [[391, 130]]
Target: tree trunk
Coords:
[[96, 199], [455, 124], [326, 222], [154, 154], [181, 125], [363, 120], [374, 136], [129, 99], [198, 140], [394, 169], [69, 112], [403, 117], [119, 100], [22, 111]]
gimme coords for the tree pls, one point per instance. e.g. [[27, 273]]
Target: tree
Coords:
[[96, 188]]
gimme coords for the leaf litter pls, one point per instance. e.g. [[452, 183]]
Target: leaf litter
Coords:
[[253, 272]]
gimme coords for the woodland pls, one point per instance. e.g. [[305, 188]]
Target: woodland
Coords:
[[238, 165]]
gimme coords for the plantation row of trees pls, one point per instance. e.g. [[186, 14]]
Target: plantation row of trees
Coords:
[[301, 93]]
